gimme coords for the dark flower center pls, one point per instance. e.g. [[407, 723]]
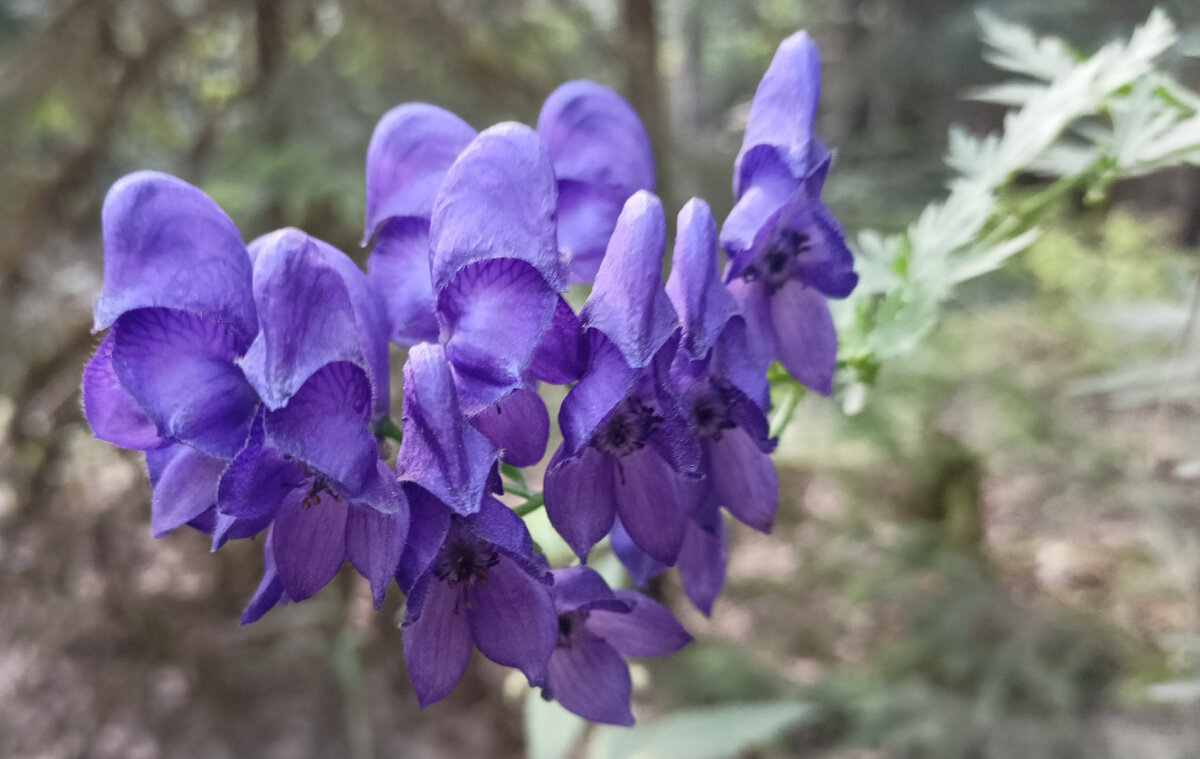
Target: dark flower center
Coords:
[[710, 412], [568, 623], [627, 429], [777, 263], [465, 562]]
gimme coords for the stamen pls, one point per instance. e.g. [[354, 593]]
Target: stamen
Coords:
[[777, 263], [465, 562], [711, 411], [627, 429]]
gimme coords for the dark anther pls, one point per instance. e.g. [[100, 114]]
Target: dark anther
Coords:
[[777, 263], [465, 562], [627, 429]]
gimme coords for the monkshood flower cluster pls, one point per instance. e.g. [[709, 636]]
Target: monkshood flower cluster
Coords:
[[256, 377]]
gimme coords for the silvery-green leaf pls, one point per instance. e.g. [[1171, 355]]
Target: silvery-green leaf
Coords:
[[984, 261], [1015, 48]]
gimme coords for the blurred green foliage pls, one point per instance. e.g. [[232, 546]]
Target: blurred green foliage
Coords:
[[998, 556]]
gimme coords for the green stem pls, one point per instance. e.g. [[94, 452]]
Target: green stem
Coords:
[[787, 409], [389, 429], [1026, 213], [535, 502]]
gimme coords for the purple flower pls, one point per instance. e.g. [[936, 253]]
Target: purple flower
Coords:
[[702, 561], [627, 448], [411, 150], [311, 462], [482, 588], [787, 252], [716, 379], [185, 483], [469, 569], [466, 256], [496, 270], [441, 452], [178, 305], [596, 628], [601, 156]]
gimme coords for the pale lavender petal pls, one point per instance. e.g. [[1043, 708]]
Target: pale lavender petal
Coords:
[[588, 677], [519, 425], [581, 498], [399, 270], [594, 136], [412, 147], [647, 629], [805, 336], [784, 111], [652, 503], [437, 644], [441, 452], [512, 620], [495, 313], [112, 412], [374, 544], [325, 425], [310, 543], [184, 489], [628, 303], [180, 369], [587, 215], [695, 288], [498, 201], [561, 356], [307, 318], [167, 244], [743, 478]]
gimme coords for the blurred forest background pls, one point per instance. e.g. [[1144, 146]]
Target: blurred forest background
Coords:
[[998, 557]]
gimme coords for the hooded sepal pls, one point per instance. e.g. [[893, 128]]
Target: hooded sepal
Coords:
[[783, 113], [601, 155], [628, 303], [315, 308], [695, 287], [411, 150], [441, 451], [168, 245]]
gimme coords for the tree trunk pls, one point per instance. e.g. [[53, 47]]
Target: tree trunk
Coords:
[[643, 84]]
